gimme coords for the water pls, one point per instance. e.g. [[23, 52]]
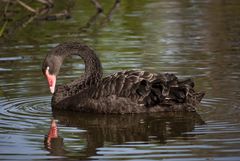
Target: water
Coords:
[[199, 39]]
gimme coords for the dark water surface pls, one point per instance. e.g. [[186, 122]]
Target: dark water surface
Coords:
[[199, 39]]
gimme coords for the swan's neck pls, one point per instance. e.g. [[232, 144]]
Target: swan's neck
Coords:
[[93, 68]]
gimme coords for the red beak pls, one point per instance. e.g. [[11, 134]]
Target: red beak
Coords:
[[51, 78]]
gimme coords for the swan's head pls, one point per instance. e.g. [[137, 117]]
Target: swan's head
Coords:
[[50, 69]]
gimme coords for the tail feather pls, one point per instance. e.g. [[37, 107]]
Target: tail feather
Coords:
[[168, 90], [185, 82], [199, 96]]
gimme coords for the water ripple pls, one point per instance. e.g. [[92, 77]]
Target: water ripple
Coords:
[[20, 113]]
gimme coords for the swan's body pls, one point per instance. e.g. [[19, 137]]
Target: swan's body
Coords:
[[123, 92]]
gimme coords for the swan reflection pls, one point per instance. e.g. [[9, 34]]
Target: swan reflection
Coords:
[[97, 131]]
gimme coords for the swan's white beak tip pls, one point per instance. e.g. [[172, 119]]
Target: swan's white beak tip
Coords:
[[52, 89]]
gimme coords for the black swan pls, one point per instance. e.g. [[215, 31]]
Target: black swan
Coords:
[[130, 91]]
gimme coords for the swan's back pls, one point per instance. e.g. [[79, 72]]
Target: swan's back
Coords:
[[148, 89], [135, 92], [123, 84]]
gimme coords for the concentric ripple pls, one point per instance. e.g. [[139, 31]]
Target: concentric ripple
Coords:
[[23, 124], [24, 112]]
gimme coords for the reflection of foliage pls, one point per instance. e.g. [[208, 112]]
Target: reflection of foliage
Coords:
[[99, 8], [18, 14], [1, 93]]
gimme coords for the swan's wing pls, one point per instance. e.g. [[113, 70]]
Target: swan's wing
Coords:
[[147, 88], [121, 84]]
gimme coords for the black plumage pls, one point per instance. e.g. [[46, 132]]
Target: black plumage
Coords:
[[130, 91]]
